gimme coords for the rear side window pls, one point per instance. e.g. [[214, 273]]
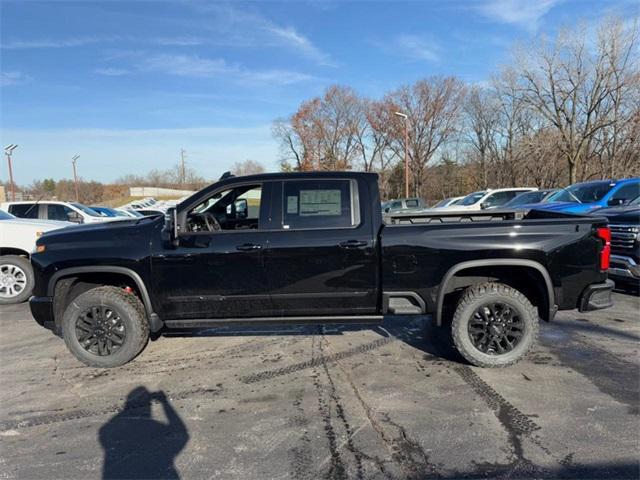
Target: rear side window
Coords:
[[24, 210], [319, 204]]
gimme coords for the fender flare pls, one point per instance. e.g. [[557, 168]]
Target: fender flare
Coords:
[[154, 321], [496, 262]]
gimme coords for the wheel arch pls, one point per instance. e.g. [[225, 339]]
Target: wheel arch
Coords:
[[14, 251], [547, 310], [81, 273]]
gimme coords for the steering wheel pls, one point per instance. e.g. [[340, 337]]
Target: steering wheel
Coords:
[[213, 225]]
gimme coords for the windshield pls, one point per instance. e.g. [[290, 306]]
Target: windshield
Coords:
[[471, 198], [86, 210], [5, 216], [582, 192], [442, 203], [529, 197]]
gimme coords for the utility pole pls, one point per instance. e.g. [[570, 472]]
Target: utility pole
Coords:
[[8, 150], [183, 172], [74, 159], [406, 152]]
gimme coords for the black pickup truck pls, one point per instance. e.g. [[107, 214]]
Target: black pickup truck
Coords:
[[314, 247]]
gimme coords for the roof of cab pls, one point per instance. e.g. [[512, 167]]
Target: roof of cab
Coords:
[[262, 177]]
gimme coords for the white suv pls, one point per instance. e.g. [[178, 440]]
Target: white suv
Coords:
[[54, 210], [487, 199], [17, 240]]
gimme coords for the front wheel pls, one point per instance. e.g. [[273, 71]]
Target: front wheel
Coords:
[[105, 327], [16, 279], [494, 325]]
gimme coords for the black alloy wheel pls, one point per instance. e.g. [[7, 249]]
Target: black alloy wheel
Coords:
[[496, 328], [100, 330]]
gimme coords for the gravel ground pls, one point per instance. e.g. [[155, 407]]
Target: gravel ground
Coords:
[[325, 402]]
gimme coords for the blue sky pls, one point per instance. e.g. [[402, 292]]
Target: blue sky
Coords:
[[126, 85]]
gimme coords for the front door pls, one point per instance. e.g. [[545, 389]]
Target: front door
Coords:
[[321, 257], [219, 273]]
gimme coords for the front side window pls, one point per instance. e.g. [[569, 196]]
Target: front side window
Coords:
[[472, 198], [498, 199], [237, 208], [627, 192], [583, 192], [412, 203], [59, 212], [318, 204]]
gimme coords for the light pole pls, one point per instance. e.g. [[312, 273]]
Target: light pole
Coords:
[[406, 152], [8, 150], [74, 159]]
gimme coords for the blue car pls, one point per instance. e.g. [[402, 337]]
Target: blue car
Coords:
[[584, 197], [110, 212]]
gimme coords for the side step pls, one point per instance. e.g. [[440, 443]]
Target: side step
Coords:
[[221, 322], [404, 303]]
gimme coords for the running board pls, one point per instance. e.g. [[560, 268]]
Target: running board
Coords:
[[221, 322]]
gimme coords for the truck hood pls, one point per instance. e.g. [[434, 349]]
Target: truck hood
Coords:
[[101, 231], [570, 207], [44, 225], [629, 215]]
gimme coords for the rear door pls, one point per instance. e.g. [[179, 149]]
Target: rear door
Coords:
[[321, 257]]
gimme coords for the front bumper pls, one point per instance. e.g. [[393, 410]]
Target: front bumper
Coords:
[[624, 267], [42, 311], [597, 296]]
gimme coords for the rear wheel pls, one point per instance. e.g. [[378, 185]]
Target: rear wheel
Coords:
[[16, 279], [105, 327], [494, 325]]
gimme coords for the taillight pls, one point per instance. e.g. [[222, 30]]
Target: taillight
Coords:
[[604, 233]]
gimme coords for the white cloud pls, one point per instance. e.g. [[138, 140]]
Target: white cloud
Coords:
[[525, 13], [416, 48], [247, 28], [51, 43], [13, 78], [111, 72], [296, 41], [196, 66]]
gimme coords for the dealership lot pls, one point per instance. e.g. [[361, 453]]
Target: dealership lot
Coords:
[[325, 402]]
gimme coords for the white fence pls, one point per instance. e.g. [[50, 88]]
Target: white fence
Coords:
[[158, 192]]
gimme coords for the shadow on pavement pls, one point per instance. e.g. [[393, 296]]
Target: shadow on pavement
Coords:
[[136, 445], [417, 331]]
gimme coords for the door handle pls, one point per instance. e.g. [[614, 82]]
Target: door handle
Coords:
[[176, 258], [353, 244], [245, 247]]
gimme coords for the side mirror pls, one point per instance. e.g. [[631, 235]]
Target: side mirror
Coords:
[[485, 205], [386, 210], [242, 208], [172, 217], [75, 217], [615, 202]]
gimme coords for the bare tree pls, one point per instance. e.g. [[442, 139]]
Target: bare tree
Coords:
[[481, 123], [247, 167], [571, 86], [433, 107]]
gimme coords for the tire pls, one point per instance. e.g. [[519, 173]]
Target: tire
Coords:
[[16, 279], [88, 328], [480, 307]]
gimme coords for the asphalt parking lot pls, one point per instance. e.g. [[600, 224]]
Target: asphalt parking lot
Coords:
[[331, 402]]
